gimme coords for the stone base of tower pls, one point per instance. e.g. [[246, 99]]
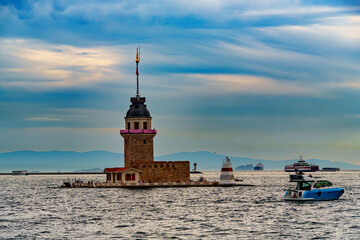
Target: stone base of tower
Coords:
[[178, 171]]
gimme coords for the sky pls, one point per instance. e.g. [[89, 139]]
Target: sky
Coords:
[[263, 79]]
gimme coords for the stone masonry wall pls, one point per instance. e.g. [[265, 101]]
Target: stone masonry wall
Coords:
[[178, 171], [138, 148]]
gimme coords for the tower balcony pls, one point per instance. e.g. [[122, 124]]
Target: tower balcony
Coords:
[[137, 131]]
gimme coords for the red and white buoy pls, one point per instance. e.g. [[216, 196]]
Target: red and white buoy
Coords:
[[227, 174]]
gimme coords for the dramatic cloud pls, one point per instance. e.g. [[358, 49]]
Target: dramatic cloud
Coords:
[[252, 85], [278, 77], [35, 64]]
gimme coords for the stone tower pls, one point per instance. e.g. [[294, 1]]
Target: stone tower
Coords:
[[138, 135]]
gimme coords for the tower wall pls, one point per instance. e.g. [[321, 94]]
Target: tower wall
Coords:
[[138, 148], [143, 123]]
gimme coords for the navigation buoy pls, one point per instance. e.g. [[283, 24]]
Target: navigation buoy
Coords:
[[227, 174]]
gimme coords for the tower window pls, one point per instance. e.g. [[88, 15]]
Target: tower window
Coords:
[[136, 125], [145, 125], [144, 141], [128, 125]]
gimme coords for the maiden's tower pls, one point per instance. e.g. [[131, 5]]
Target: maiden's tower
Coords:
[[139, 164]]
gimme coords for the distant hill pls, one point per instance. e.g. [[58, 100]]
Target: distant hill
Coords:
[[244, 167], [58, 160], [89, 170], [70, 160]]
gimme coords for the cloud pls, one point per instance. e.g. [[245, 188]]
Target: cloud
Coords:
[[251, 85], [84, 53], [82, 22], [355, 116], [55, 117], [215, 10], [57, 50], [36, 65], [43, 119], [298, 10], [351, 85], [346, 29], [276, 68]]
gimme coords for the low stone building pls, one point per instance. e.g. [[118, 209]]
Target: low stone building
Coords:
[[122, 175]]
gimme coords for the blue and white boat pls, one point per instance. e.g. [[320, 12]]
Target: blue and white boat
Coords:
[[310, 188]]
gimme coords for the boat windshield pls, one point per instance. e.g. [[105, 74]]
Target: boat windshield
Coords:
[[304, 186], [321, 184]]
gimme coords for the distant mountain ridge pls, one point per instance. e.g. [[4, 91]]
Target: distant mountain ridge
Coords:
[[71, 160], [212, 161], [244, 167], [58, 160]]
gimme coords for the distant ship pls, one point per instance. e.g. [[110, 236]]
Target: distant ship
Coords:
[[259, 167], [301, 166], [20, 172], [330, 169]]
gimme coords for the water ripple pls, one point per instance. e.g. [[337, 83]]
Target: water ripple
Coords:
[[32, 208]]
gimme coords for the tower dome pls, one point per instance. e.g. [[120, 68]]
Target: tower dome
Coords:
[[138, 108]]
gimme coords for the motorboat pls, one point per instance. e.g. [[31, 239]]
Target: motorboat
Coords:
[[312, 188]]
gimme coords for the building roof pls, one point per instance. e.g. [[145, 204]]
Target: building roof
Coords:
[[156, 162], [138, 108], [117, 169]]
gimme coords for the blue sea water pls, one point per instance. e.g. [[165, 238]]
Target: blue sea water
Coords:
[[34, 207]]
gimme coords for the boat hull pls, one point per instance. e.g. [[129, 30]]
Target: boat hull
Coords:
[[314, 195]]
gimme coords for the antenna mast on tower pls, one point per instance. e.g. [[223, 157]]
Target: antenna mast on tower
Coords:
[[137, 71]]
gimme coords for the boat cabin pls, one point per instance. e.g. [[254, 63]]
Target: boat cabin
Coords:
[[122, 175], [308, 183]]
